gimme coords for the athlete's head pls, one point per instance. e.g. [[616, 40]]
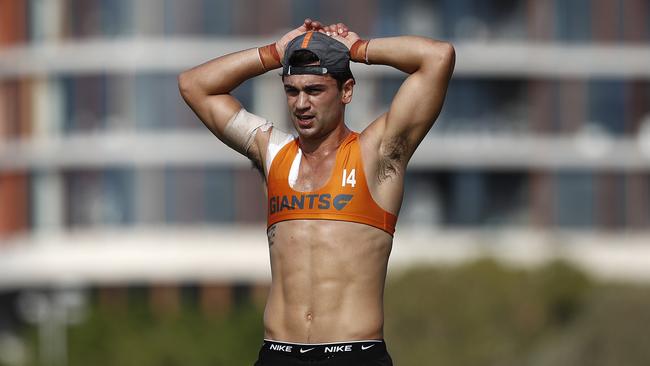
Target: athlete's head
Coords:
[[318, 83]]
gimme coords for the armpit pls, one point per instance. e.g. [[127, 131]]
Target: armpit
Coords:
[[391, 156]]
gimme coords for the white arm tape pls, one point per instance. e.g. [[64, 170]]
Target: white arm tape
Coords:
[[240, 130]]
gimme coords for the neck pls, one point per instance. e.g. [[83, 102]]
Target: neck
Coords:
[[325, 144]]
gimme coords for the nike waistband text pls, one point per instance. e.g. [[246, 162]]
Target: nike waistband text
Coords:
[[319, 351]]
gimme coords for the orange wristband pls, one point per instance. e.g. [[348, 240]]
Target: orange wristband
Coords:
[[359, 51], [269, 57]]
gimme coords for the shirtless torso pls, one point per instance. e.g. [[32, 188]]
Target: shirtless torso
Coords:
[[328, 275]]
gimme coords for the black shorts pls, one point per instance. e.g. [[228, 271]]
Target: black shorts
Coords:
[[354, 353]]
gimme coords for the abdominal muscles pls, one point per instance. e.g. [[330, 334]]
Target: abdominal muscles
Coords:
[[327, 281]]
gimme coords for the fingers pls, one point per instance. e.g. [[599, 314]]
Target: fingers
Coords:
[[312, 25], [342, 29], [330, 29], [336, 29], [338, 38], [333, 29]]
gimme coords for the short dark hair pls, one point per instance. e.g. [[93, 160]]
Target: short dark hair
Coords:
[[306, 57]]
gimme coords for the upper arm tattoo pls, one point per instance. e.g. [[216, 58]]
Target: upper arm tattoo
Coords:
[[271, 235], [392, 155]]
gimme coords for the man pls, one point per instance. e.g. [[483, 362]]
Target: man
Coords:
[[333, 194]]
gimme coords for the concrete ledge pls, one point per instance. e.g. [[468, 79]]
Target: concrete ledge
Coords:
[[240, 254]]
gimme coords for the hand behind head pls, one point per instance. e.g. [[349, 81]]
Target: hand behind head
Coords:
[[338, 31], [341, 33]]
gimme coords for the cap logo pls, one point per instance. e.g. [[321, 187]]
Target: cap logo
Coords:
[[305, 41]]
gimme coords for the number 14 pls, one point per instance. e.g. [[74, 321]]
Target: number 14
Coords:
[[349, 179]]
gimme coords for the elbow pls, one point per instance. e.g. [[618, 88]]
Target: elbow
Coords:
[[441, 57], [444, 54], [448, 54], [185, 85], [190, 87]]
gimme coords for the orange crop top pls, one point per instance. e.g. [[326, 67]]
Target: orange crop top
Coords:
[[345, 197]]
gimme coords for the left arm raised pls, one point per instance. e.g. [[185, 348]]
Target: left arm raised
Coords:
[[419, 99]]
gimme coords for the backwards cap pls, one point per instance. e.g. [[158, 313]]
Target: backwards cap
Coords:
[[334, 56]]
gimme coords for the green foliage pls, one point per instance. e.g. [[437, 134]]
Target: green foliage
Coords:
[[186, 339], [613, 330], [137, 338], [479, 313]]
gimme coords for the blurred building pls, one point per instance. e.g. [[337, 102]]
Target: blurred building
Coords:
[[108, 180]]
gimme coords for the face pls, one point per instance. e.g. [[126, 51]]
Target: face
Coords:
[[316, 105]]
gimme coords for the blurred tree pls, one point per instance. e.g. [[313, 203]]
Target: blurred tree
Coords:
[[138, 338], [613, 330], [480, 313], [475, 314]]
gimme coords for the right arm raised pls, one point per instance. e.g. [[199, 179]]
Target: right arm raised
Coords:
[[206, 88]]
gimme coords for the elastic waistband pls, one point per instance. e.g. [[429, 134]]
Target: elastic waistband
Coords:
[[322, 351]]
